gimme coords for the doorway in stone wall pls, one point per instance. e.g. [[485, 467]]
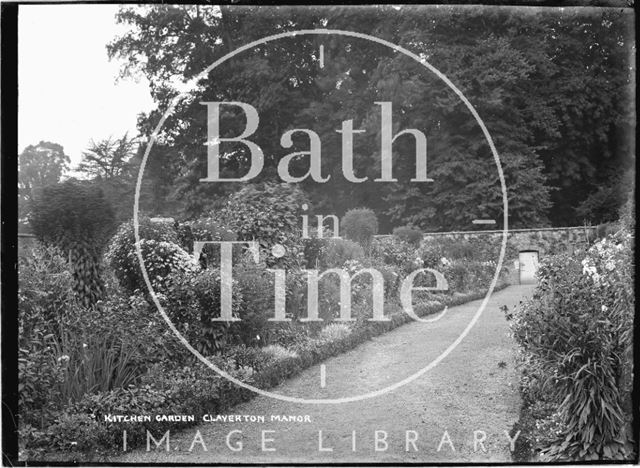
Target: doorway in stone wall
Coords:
[[528, 266]]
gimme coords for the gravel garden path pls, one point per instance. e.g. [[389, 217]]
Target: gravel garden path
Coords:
[[473, 389]]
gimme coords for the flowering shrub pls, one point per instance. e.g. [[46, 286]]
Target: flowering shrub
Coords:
[[159, 248], [575, 339], [161, 259]]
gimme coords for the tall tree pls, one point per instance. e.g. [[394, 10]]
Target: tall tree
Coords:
[[38, 166], [108, 158], [554, 140], [110, 166]]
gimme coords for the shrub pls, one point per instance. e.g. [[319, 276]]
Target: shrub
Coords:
[[206, 228], [335, 252], [249, 356], [255, 285], [192, 301], [121, 253], [162, 259], [392, 275], [408, 234], [268, 214], [431, 254], [39, 376], [399, 254], [45, 288], [75, 432], [360, 225], [312, 249], [213, 334], [45, 297], [77, 219], [575, 334], [287, 334]]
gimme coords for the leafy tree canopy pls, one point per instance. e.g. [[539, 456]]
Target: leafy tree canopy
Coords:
[[38, 165], [552, 86]]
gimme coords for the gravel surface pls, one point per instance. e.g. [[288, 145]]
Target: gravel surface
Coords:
[[472, 389]]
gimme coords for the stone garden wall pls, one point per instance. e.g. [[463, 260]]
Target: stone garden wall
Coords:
[[546, 241]]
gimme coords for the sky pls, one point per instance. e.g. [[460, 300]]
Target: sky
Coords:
[[67, 89]]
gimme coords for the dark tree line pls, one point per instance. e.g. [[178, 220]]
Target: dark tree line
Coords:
[[553, 86]]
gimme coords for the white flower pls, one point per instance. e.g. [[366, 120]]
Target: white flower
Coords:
[[604, 308], [84, 345]]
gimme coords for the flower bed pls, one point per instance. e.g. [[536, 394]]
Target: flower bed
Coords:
[[197, 390], [81, 364]]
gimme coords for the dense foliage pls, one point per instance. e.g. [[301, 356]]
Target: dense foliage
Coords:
[[575, 336], [269, 215], [78, 220], [67, 350], [559, 145], [160, 250], [79, 363], [360, 225]]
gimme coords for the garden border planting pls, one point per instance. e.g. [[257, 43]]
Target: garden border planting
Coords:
[[83, 430]]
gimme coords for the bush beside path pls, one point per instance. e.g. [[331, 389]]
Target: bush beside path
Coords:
[[473, 389]]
